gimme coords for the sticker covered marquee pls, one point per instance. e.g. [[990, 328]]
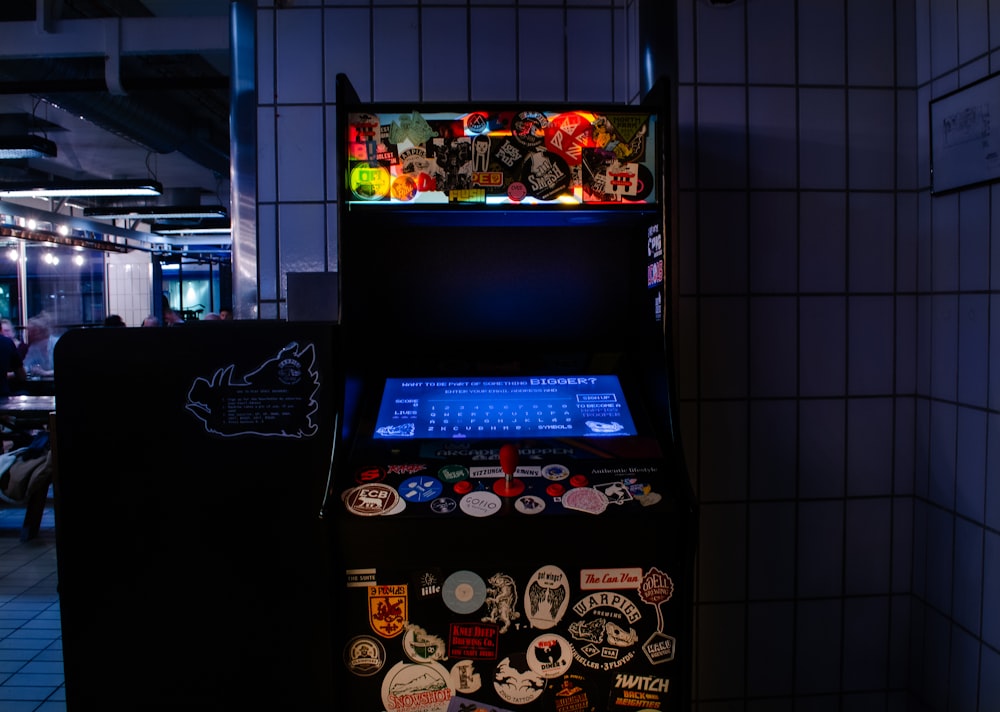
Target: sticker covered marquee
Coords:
[[502, 157]]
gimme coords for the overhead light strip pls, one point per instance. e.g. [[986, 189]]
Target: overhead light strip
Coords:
[[153, 212], [90, 189], [56, 238], [29, 146]]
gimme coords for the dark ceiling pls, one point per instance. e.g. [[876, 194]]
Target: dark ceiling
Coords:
[[121, 99]]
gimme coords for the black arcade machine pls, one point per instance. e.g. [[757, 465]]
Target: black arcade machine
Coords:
[[513, 522]]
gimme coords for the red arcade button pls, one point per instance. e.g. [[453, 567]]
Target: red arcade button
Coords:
[[578, 480], [555, 490], [463, 487]]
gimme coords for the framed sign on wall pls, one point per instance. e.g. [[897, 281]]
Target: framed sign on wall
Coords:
[[964, 151]]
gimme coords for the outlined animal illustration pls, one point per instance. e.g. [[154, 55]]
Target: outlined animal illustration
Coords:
[[501, 599]]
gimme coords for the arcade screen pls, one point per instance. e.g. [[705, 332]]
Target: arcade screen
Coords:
[[576, 406]]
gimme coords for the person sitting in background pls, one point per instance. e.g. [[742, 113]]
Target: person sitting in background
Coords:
[[12, 358], [114, 320], [38, 360], [225, 314], [151, 320], [211, 316]]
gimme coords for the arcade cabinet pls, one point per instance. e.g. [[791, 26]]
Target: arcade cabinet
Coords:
[[513, 522], [193, 462]]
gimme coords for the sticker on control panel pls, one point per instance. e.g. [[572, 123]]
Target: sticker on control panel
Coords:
[[546, 597]]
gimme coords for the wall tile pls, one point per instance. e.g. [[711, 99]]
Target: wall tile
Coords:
[[723, 452], [866, 654], [773, 246], [869, 447], [974, 239], [870, 59], [907, 109], [299, 56], [822, 357], [267, 161], [773, 340], [989, 679], [819, 630], [994, 362], [944, 347], [944, 243], [823, 242], [441, 77], [301, 131], [906, 344], [772, 130], [822, 139], [904, 450], [394, 47], [943, 45], [771, 545], [266, 89], [970, 469], [771, 41], [902, 545], [589, 76], [872, 136], [993, 472], [871, 242], [722, 561], [822, 43], [307, 252], [720, 45], [723, 337], [940, 547], [534, 27], [967, 578], [821, 448], [720, 661], [820, 544], [771, 637], [963, 687], [722, 137], [773, 449], [346, 50], [492, 36], [941, 457], [991, 590], [723, 240], [973, 29], [870, 345], [868, 549]]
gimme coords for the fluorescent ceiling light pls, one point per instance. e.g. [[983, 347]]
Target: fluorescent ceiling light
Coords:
[[29, 146], [88, 189], [210, 226], [57, 239], [153, 212]]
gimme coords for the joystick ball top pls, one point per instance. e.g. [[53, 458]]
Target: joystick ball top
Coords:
[[509, 457]]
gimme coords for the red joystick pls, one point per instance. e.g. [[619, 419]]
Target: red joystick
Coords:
[[509, 486]]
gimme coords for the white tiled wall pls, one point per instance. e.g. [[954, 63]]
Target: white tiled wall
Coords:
[[840, 397], [129, 284]]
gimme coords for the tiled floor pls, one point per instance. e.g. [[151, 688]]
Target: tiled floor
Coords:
[[31, 664]]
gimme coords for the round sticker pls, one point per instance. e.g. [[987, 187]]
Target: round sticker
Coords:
[[417, 687], [550, 655], [364, 655], [555, 472], [517, 191], [516, 682], [404, 188], [443, 505], [421, 488], [529, 504], [371, 500], [528, 128], [463, 592], [370, 183], [546, 175], [480, 504]]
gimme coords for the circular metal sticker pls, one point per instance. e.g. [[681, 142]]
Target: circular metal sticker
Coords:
[[463, 592], [364, 655], [371, 500]]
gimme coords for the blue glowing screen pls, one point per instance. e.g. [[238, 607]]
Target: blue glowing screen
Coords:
[[504, 407]]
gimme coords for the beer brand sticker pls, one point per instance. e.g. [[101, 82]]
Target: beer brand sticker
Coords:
[[550, 655], [364, 655], [463, 592], [427, 583], [546, 597], [546, 175], [421, 488], [585, 499], [516, 682], [474, 641], [610, 579], [417, 687], [529, 504], [371, 500], [572, 693], [422, 647], [450, 474], [645, 692], [604, 637], [501, 601], [480, 504], [387, 609], [656, 589], [528, 128]]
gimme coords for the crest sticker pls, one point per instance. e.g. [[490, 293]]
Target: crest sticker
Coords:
[[605, 638], [387, 609]]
